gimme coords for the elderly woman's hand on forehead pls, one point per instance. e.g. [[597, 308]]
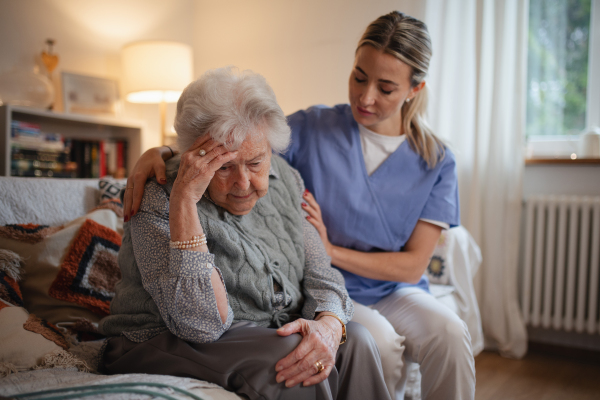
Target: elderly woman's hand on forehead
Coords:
[[198, 166]]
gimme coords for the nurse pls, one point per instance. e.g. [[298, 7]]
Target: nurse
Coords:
[[380, 189]]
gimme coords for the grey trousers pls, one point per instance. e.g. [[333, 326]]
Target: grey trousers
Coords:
[[243, 361]]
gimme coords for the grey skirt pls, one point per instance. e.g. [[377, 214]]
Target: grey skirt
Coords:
[[243, 361]]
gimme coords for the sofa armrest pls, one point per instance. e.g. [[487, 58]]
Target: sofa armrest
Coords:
[[45, 201]]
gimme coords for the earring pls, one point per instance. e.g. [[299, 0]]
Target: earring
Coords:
[[407, 100]]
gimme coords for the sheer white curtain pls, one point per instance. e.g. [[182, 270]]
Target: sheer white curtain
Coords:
[[477, 103]]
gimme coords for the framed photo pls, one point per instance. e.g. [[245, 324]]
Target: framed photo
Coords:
[[84, 94]]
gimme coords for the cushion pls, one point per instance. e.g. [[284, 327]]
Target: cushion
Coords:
[[110, 187], [25, 347], [10, 294], [111, 204], [10, 272], [27, 341], [110, 194], [69, 271], [89, 271], [437, 271]]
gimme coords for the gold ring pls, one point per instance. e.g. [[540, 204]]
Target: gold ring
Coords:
[[319, 366], [129, 188], [202, 152]]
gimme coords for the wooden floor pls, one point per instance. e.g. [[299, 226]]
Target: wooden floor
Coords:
[[540, 376]]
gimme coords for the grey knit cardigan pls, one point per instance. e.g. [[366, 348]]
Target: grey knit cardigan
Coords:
[[252, 251]]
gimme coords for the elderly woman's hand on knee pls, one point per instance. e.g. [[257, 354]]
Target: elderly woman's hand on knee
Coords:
[[311, 362]]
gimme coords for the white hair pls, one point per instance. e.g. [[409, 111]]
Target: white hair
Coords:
[[230, 105]]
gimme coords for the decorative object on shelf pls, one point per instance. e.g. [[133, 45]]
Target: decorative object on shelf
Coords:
[[49, 59], [26, 87], [590, 143], [84, 94], [156, 72]]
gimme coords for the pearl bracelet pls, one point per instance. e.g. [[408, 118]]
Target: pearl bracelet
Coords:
[[195, 241]]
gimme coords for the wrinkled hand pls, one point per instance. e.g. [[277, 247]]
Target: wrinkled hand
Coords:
[[316, 219], [149, 164], [320, 342], [195, 171]]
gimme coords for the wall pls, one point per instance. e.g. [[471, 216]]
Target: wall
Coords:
[[89, 36], [577, 179], [304, 49]]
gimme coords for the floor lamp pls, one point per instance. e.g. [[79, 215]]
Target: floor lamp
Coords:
[[156, 72]]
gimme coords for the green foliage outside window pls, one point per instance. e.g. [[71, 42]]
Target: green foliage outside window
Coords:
[[557, 66]]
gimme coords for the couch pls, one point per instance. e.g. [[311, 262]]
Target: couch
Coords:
[[58, 212]]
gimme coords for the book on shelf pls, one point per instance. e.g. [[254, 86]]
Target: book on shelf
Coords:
[[43, 168], [41, 154], [19, 153], [96, 159], [29, 136]]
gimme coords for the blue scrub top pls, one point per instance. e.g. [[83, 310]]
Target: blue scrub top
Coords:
[[368, 213]]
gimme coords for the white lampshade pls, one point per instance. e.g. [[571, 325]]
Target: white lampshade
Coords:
[[156, 71]]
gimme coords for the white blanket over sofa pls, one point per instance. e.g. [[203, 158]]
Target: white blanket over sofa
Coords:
[[58, 201]]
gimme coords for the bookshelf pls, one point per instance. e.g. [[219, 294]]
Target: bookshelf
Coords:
[[72, 127]]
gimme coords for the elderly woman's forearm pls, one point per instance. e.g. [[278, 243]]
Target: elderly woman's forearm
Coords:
[[323, 285], [220, 294], [184, 224], [185, 285]]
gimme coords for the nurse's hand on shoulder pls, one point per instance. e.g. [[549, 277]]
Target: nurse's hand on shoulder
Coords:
[[319, 345], [150, 164], [311, 206]]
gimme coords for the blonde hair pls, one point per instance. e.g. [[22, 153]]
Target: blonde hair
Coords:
[[407, 39]]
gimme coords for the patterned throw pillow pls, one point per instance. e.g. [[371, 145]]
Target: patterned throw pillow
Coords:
[[111, 204], [10, 274], [437, 270], [110, 187], [89, 271], [110, 194], [70, 271]]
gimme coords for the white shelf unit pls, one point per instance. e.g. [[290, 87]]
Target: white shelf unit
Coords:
[[74, 126]]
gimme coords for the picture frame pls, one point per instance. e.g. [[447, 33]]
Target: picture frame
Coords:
[[83, 94]]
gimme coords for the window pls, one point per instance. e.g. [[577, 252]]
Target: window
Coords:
[[561, 74]]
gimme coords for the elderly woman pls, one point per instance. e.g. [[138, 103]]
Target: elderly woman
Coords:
[[222, 254]]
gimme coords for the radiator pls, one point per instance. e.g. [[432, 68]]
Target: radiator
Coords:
[[561, 263]]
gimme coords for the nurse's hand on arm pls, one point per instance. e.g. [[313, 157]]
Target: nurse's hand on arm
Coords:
[[405, 266], [150, 164]]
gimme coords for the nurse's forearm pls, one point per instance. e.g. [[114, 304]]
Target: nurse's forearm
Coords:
[[406, 266], [396, 267], [166, 152]]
